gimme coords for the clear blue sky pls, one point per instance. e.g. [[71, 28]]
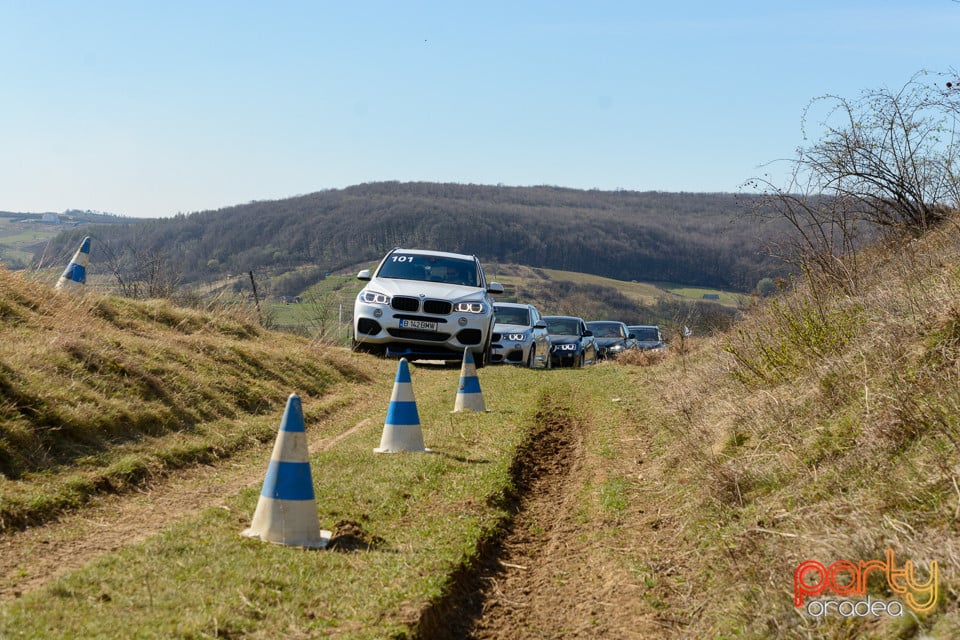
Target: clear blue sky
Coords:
[[154, 107]]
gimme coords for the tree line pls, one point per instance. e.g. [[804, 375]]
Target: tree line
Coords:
[[703, 239]]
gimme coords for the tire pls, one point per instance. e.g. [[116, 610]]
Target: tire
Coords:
[[532, 358], [578, 364], [480, 359]]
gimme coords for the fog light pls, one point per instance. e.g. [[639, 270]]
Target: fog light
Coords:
[[462, 322], [377, 313]]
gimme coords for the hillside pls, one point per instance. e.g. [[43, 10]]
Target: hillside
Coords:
[[24, 237], [707, 240], [672, 498]]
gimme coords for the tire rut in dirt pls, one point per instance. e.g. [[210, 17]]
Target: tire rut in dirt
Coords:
[[472, 604]]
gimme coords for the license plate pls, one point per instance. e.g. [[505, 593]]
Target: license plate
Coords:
[[421, 325]]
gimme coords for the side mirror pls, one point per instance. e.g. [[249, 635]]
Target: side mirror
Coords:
[[540, 325], [632, 336], [494, 287], [364, 275], [588, 334]]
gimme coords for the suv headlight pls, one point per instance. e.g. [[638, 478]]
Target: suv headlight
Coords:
[[374, 297], [469, 307], [517, 337]]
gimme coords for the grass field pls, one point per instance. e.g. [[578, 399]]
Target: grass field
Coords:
[[726, 298], [413, 519], [673, 497], [19, 239]]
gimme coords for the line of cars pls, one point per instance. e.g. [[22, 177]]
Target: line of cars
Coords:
[[422, 304], [522, 336]]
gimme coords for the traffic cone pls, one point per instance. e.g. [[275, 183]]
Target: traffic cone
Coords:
[[469, 396], [401, 432], [287, 511], [75, 275]]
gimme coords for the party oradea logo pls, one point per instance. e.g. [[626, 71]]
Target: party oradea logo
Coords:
[[847, 580]]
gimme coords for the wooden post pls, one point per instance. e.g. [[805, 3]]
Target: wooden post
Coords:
[[256, 298]]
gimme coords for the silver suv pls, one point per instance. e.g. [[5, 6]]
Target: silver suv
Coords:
[[519, 336], [422, 304]]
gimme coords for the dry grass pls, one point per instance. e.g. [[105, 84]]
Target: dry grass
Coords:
[[642, 358], [825, 426], [101, 394]]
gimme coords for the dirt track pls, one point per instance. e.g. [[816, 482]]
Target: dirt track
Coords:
[[537, 580]]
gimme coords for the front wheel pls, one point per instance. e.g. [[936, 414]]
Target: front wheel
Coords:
[[481, 359], [578, 364], [532, 358]]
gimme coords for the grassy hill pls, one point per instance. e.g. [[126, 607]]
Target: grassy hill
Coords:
[[673, 498], [706, 240]]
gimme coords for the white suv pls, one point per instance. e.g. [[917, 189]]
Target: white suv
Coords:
[[425, 305]]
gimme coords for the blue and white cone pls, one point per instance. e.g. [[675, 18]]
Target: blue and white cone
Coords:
[[469, 396], [401, 432], [287, 511], [75, 275]]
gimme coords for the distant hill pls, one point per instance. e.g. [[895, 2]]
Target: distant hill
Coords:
[[694, 239], [24, 237]]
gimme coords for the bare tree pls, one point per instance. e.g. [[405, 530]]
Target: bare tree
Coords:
[[886, 160], [139, 272]]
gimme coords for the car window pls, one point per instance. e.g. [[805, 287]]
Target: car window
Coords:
[[647, 335], [407, 266], [511, 315], [562, 326], [605, 330]]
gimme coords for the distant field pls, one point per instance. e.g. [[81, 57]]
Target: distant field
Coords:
[[726, 298], [23, 234], [642, 292], [18, 240]]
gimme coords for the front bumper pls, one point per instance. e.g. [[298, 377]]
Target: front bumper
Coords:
[[509, 351], [564, 357], [605, 352], [380, 326]]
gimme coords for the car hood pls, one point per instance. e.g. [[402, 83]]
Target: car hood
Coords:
[[606, 342], [415, 288], [564, 339], [649, 343]]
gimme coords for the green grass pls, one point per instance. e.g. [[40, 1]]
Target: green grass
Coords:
[[726, 298], [642, 292], [427, 514]]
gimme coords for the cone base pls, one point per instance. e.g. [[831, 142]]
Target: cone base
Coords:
[[469, 403], [388, 450], [320, 543]]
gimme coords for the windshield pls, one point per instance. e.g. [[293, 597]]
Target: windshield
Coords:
[[605, 329], [408, 266], [562, 326], [511, 315], [646, 334]]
